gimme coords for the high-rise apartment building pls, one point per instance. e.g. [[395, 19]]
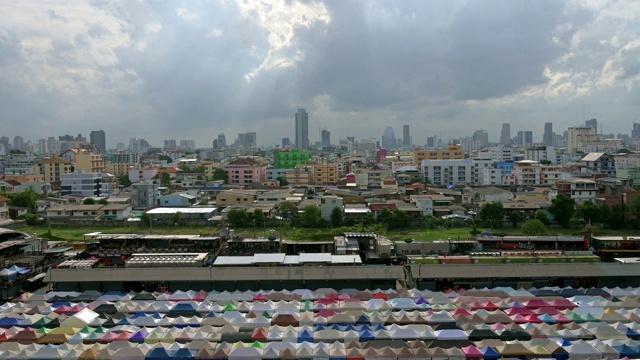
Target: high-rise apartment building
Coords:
[[188, 145], [325, 138], [635, 131], [481, 137], [221, 141], [98, 138], [548, 137], [505, 135], [577, 136], [302, 129], [170, 144], [406, 135], [247, 140]]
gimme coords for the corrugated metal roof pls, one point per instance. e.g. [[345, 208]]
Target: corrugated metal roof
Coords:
[[192, 210], [315, 258], [268, 258], [233, 260], [524, 270], [346, 259]]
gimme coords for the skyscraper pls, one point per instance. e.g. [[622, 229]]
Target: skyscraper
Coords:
[[170, 144], [525, 137], [406, 135], [389, 138], [98, 138], [302, 130], [247, 139], [547, 136], [18, 142], [505, 135], [286, 142], [481, 137], [592, 123], [325, 138], [222, 141]]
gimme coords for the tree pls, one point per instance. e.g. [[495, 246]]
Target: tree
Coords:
[[125, 181], [237, 218], [590, 212], [310, 216], [514, 218], [177, 217], [635, 209], [619, 216], [145, 219], [287, 209], [219, 174], [492, 214], [258, 217], [165, 180], [384, 217], [399, 219], [184, 167], [282, 181], [337, 217], [166, 158], [89, 201], [562, 208], [534, 227], [542, 216], [200, 169], [31, 219], [26, 199], [474, 230]]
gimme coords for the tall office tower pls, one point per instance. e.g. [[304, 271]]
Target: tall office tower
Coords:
[[325, 138], [547, 136], [170, 144], [481, 137], [389, 138], [406, 135], [635, 132], [98, 138], [222, 141], [592, 123], [302, 130], [43, 146], [188, 145], [505, 135], [286, 142], [247, 140], [18, 142], [525, 137]]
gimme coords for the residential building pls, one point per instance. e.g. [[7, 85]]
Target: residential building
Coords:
[[98, 138], [328, 203], [273, 174], [592, 123], [136, 175], [453, 152], [491, 176], [53, 169], [88, 162], [491, 194], [479, 164], [4, 208], [209, 169], [116, 211], [541, 153], [302, 129], [407, 175], [325, 174], [144, 194], [221, 141], [600, 162], [75, 212], [124, 157], [433, 205], [481, 137], [528, 173], [170, 144], [80, 183], [247, 140], [302, 175], [577, 136], [245, 171], [187, 145], [447, 172], [290, 158], [578, 189], [118, 169], [274, 196]]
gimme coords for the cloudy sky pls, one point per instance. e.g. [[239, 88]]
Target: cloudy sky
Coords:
[[192, 69]]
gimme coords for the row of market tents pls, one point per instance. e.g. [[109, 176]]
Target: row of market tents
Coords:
[[324, 323]]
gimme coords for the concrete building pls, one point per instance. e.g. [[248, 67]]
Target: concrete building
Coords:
[[325, 138], [540, 153], [548, 137], [177, 200], [302, 129], [325, 174], [124, 158], [578, 189], [235, 197], [302, 175], [144, 194], [601, 162], [447, 172], [136, 175], [453, 152], [505, 135], [53, 169], [525, 137], [4, 208], [290, 158], [80, 183], [88, 162], [328, 203], [577, 136], [245, 171]]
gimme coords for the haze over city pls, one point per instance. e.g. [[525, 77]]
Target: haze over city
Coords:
[[193, 69]]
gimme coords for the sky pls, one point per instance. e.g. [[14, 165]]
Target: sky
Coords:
[[192, 69]]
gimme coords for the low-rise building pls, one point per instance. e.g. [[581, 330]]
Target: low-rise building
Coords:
[[177, 200], [328, 203], [600, 162], [53, 169], [576, 188], [447, 172], [83, 184], [144, 194], [75, 212], [235, 197], [4, 208], [116, 211]]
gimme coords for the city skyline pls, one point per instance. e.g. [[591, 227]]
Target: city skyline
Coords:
[[194, 70]]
